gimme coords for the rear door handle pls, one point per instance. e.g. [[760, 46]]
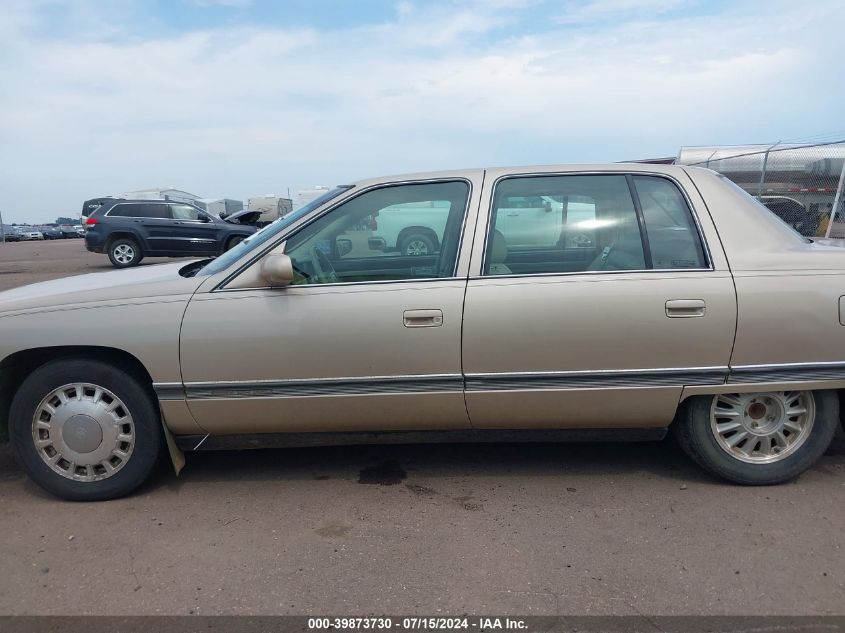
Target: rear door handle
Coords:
[[422, 318], [685, 308]]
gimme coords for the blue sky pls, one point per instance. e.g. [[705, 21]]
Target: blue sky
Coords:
[[239, 98]]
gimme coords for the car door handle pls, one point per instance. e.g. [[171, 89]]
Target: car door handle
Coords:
[[422, 318], [685, 308]]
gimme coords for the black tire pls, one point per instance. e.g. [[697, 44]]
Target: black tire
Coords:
[[691, 428], [234, 241], [117, 258], [417, 244], [148, 444]]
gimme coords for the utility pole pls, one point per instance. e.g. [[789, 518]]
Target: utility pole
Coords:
[[2, 229], [837, 200]]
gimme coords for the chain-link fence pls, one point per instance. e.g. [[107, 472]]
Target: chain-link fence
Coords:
[[802, 184]]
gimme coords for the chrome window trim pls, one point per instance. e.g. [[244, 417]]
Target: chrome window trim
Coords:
[[666, 370], [334, 204], [592, 272], [304, 388], [345, 283], [657, 378], [787, 372], [832, 363], [705, 246], [441, 383], [596, 379]]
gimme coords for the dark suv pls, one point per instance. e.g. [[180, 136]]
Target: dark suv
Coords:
[[129, 230]]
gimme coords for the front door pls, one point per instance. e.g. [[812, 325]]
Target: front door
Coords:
[[192, 231], [603, 322], [366, 338]]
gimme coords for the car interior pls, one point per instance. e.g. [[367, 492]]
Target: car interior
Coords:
[[335, 248], [566, 224]]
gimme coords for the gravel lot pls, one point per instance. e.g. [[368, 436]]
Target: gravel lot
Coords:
[[526, 529]]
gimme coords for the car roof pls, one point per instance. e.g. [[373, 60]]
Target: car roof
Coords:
[[674, 170]]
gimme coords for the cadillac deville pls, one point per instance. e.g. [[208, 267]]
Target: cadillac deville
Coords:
[[554, 302]]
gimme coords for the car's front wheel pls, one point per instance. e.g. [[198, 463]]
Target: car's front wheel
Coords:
[[124, 253], [758, 438], [85, 430], [234, 241]]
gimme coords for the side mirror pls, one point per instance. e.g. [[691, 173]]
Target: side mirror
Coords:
[[277, 270], [344, 246]]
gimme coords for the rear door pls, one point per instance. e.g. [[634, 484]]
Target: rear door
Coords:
[[150, 220], [603, 323]]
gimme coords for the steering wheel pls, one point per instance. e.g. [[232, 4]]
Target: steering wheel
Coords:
[[323, 269]]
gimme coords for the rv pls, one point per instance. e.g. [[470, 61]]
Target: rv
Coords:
[[271, 207]]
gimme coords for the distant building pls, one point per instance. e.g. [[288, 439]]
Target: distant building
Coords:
[[163, 193]]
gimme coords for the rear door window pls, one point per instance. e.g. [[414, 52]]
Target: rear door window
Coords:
[[563, 224], [140, 210]]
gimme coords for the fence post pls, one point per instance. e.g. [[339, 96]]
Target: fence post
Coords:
[[763, 171], [836, 200]]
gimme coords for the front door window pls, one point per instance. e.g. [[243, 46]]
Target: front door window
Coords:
[[394, 233]]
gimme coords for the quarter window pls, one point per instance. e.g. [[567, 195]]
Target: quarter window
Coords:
[[563, 224], [672, 236], [393, 233]]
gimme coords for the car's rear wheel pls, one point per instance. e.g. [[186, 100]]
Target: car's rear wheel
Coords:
[[85, 430], [758, 438], [124, 253]]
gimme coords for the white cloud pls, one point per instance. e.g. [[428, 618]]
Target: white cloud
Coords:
[[240, 111]]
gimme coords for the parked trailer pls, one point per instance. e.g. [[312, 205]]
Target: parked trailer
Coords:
[[221, 207], [271, 207]]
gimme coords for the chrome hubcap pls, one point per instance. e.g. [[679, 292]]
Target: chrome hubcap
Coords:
[[416, 247], [762, 428], [124, 253], [83, 432]]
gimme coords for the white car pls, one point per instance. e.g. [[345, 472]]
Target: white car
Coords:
[[32, 235], [412, 229]]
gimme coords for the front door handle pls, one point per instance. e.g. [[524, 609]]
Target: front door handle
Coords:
[[685, 308], [422, 318]]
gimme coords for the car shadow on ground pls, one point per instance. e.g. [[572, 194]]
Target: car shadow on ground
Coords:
[[395, 464], [387, 465]]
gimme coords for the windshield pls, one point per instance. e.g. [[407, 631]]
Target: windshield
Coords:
[[267, 233]]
